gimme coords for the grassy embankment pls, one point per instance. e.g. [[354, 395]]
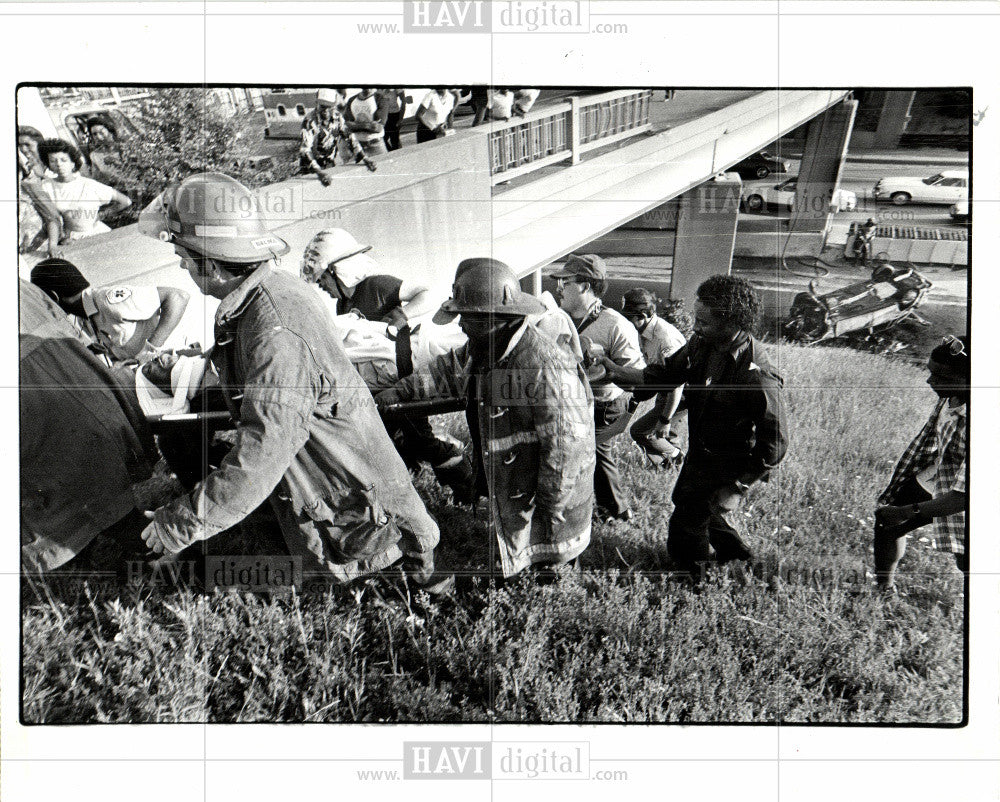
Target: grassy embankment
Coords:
[[790, 640]]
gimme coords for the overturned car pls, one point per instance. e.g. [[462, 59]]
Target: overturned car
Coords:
[[892, 295]]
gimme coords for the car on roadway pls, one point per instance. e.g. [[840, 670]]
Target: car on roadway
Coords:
[[946, 187], [756, 198], [960, 212], [760, 165]]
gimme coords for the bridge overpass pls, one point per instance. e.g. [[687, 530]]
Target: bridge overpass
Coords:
[[531, 190]]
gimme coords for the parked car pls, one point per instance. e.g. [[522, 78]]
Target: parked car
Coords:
[[782, 196], [760, 165], [892, 295], [945, 187], [960, 212]]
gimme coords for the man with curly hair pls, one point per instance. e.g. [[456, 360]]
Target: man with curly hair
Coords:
[[737, 423]]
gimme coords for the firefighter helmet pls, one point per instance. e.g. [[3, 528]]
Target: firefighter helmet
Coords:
[[487, 286], [212, 215]]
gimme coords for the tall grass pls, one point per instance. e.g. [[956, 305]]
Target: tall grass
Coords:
[[796, 637]]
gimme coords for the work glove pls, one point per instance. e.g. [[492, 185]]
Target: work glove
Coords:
[[162, 539]]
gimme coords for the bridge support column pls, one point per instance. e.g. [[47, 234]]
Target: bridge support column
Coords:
[[706, 232], [893, 119], [822, 164]]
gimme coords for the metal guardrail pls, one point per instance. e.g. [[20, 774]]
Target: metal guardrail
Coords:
[[566, 131]]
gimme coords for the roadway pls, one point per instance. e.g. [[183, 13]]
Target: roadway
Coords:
[[860, 178]]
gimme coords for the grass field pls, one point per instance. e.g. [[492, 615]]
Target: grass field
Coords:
[[797, 637]]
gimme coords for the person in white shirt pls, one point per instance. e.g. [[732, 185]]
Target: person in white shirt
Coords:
[[77, 199], [501, 104], [655, 432], [524, 99], [125, 322], [432, 116], [581, 283], [365, 117]]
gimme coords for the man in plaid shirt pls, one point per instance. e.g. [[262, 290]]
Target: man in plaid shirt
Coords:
[[928, 485]]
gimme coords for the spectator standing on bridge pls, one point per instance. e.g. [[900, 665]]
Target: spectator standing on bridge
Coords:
[[581, 283], [78, 200], [737, 425], [393, 102], [309, 438], [479, 99], [125, 321], [433, 114], [323, 134], [928, 485], [655, 432], [501, 104], [524, 101], [530, 415], [365, 117]]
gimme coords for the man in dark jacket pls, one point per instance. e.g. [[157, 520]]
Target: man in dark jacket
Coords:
[[738, 430], [309, 438], [84, 443]]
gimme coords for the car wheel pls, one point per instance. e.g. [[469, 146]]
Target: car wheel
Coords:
[[900, 198], [763, 172], [755, 203]]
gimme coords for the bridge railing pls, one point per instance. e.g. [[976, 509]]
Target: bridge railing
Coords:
[[566, 131]]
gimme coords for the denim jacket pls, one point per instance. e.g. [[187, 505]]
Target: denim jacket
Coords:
[[535, 413], [309, 438]]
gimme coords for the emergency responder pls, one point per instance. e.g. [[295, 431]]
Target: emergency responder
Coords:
[[84, 443], [737, 427], [656, 431], [309, 437], [581, 283], [531, 414], [125, 322], [341, 267]]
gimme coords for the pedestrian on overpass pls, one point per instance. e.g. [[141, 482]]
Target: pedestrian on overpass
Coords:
[[737, 424], [309, 437], [530, 413], [656, 432], [365, 117], [433, 114], [581, 283]]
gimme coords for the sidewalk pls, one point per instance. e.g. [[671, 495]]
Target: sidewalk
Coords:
[[943, 156], [940, 156]]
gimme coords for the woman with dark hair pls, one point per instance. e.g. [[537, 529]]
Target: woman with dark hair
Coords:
[[31, 207], [928, 486], [76, 199]]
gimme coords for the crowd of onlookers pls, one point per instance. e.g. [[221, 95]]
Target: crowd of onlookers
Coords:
[[58, 202], [366, 125]]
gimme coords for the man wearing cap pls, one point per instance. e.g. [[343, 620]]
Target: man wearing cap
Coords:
[[323, 131], [581, 283], [737, 425], [357, 283], [124, 321], [309, 437], [659, 340], [530, 415]]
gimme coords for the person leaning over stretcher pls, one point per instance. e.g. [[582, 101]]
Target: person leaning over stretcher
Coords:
[[342, 268]]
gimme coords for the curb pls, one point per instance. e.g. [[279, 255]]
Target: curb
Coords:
[[947, 160]]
